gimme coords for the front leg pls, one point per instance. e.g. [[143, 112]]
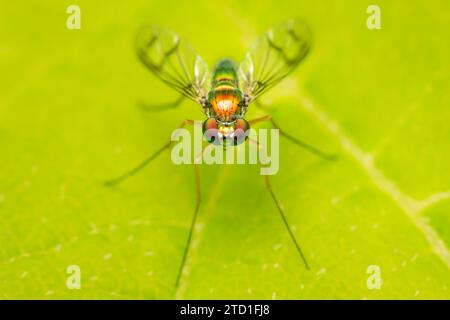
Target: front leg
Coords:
[[144, 163], [306, 146], [161, 106]]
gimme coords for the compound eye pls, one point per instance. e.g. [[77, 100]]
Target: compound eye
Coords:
[[210, 131], [241, 130]]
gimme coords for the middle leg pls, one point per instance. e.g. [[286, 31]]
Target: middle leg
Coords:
[[304, 145]]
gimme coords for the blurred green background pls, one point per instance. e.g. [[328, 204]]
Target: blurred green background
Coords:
[[68, 121]]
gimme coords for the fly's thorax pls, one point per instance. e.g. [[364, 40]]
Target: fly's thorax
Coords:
[[224, 132], [225, 102], [225, 98], [225, 70]]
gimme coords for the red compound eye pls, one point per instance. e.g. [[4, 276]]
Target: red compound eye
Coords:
[[240, 130], [210, 131]]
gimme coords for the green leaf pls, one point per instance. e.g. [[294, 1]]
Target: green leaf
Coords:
[[69, 121]]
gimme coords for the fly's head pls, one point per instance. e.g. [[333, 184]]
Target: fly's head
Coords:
[[226, 133]]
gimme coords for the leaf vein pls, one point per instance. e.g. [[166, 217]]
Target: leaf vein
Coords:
[[410, 206]]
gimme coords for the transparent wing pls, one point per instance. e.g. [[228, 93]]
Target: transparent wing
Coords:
[[174, 61], [273, 56]]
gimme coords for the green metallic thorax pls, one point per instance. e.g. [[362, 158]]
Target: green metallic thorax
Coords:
[[225, 96], [225, 73]]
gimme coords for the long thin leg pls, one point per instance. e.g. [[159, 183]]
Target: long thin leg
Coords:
[[160, 107], [280, 210], [260, 105], [255, 142], [146, 161], [298, 142], [194, 219], [199, 156]]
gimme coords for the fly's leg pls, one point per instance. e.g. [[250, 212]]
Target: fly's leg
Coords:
[[254, 141], [304, 145], [144, 163], [280, 210], [194, 219], [198, 158], [283, 217], [198, 193], [160, 107], [260, 105]]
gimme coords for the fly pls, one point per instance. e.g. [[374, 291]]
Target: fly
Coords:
[[224, 94]]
